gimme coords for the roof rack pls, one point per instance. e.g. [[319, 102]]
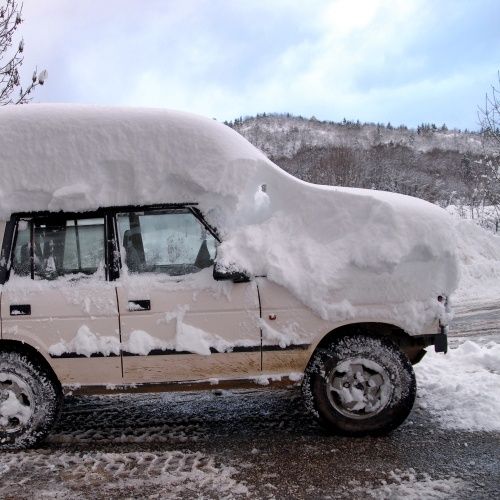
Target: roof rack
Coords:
[[102, 210]]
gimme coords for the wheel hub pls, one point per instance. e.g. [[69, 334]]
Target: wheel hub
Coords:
[[16, 403], [359, 388]]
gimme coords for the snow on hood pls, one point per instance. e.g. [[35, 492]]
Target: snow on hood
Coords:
[[334, 248]]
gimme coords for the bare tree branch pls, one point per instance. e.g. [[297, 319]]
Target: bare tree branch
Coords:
[[11, 89], [489, 115]]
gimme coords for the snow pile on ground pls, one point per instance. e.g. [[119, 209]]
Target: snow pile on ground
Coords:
[[411, 485], [462, 388], [336, 249], [485, 216]]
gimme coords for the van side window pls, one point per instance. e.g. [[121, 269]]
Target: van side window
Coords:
[[47, 249], [173, 242], [21, 261]]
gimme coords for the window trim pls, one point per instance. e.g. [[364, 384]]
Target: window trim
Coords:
[[157, 209], [112, 254], [10, 233], [58, 217]]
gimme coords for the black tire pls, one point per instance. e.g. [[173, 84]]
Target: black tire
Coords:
[[360, 385], [30, 401]]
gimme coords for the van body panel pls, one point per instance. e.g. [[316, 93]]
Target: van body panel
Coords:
[[252, 328], [190, 320], [62, 324], [186, 367]]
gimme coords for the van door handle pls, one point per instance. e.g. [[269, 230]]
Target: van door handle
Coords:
[[20, 309], [139, 305]]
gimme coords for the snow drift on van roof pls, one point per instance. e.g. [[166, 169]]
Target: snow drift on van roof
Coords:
[[339, 250]]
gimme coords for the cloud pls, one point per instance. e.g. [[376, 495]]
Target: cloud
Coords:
[[376, 60]]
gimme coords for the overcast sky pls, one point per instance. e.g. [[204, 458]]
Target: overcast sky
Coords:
[[402, 61]]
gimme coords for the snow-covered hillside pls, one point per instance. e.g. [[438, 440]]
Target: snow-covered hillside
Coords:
[[439, 165], [280, 135]]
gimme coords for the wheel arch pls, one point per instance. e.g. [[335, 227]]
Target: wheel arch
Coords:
[[411, 346], [8, 345]]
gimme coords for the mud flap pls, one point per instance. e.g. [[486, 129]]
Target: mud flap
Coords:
[[441, 342]]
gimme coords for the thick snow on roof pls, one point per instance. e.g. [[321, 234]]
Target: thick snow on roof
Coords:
[[80, 157], [339, 250]]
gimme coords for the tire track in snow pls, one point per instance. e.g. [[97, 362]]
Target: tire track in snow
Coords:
[[180, 474]]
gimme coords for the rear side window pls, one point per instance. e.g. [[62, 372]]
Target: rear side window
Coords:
[[173, 242], [21, 260], [47, 249]]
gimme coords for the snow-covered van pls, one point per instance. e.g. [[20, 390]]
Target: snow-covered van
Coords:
[[156, 250]]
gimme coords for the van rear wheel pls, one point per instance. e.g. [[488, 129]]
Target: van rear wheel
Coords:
[[30, 401], [360, 385]]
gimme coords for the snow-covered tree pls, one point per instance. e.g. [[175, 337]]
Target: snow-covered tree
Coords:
[[489, 115], [12, 56], [489, 118]]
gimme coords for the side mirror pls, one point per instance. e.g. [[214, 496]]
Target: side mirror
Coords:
[[223, 273]]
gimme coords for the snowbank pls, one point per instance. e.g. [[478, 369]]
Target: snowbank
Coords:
[[336, 249], [461, 389], [478, 252]]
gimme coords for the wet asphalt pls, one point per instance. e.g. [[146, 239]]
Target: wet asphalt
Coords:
[[264, 438]]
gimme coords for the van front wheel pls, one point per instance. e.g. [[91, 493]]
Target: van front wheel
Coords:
[[30, 401], [360, 385]]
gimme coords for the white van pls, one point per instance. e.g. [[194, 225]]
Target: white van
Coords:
[[148, 250]]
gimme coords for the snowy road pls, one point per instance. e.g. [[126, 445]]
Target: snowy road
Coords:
[[256, 443], [479, 322]]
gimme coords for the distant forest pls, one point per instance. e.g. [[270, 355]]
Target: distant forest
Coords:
[[431, 162]]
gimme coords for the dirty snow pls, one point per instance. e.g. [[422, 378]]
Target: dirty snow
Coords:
[[336, 249], [462, 388], [109, 442], [176, 472], [410, 485]]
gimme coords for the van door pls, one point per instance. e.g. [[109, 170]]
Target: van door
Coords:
[[177, 322], [58, 300]]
